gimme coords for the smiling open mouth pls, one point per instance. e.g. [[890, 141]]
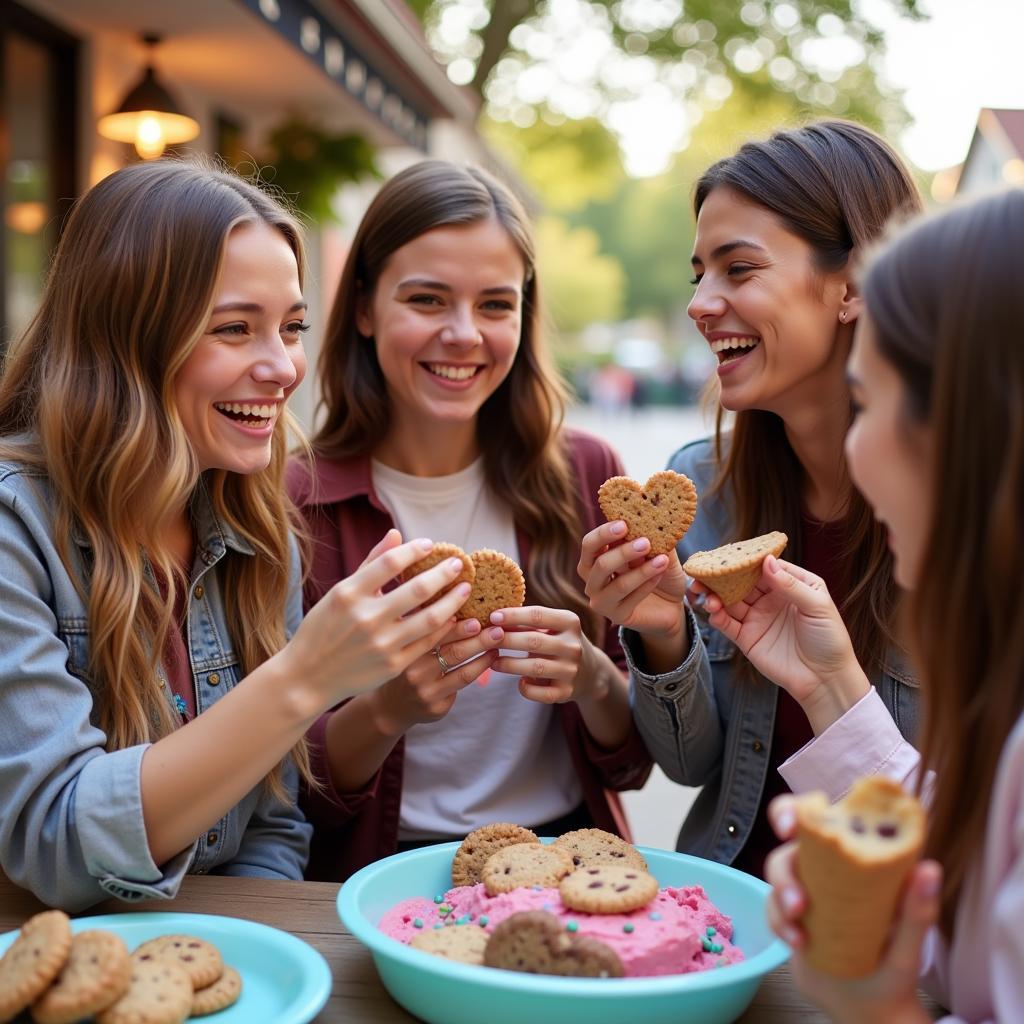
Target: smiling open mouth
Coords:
[[452, 372], [732, 348], [247, 414]]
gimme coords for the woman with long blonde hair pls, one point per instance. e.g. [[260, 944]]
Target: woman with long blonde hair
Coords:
[[155, 681], [443, 413]]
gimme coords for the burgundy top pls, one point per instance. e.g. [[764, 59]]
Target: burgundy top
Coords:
[[176, 664], [822, 545], [346, 519]]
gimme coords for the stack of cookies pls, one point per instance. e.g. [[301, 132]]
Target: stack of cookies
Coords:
[[589, 873], [62, 978]]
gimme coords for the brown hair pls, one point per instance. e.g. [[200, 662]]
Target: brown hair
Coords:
[[126, 300], [946, 303], [834, 184], [519, 426]]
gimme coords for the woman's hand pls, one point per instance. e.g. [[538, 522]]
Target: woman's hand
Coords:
[[791, 631], [890, 992], [357, 637], [629, 588], [426, 690], [561, 663]]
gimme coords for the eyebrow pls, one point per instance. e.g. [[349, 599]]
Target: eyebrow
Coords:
[[440, 286], [723, 250], [254, 307]]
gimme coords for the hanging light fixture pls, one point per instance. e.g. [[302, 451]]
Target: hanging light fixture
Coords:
[[148, 116]]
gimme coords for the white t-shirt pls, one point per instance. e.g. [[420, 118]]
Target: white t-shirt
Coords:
[[495, 756]]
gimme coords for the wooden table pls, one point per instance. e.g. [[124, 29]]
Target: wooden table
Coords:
[[307, 910]]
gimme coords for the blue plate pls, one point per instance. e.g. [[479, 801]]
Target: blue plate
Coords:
[[444, 992], [284, 980]]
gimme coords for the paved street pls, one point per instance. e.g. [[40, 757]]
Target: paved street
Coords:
[[645, 439]]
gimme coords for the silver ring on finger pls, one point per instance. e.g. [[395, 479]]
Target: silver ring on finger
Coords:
[[442, 664]]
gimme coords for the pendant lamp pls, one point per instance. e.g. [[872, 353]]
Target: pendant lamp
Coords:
[[148, 116]]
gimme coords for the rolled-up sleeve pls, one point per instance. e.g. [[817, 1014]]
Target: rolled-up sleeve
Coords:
[[676, 711], [71, 823]]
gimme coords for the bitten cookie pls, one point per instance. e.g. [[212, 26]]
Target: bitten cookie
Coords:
[[471, 856], [608, 889], [590, 847], [498, 583], [158, 992], [732, 569], [463, 942], [853, 858], [33, 960], [662, 510], [95, 975], [199, 959], [218, 996], [440, 553], [525, 864], [534, 942]]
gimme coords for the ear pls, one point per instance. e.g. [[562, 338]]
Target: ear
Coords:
[[364, 313], [851, 305]]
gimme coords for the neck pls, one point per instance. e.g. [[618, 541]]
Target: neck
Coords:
[[816, 430], [439, 450]]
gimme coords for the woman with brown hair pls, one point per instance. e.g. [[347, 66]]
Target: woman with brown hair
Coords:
[[780, 227], [443, 411], [937, 448], [152, 706]]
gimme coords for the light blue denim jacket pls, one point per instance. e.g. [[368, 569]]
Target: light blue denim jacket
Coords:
[[707, 725], [71, 825]]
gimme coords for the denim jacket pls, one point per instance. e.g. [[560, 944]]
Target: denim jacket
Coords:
[[71, 824], [707, 725]]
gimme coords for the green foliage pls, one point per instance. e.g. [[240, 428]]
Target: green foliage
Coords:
[[309, 165], [568, 163], [580, 285]]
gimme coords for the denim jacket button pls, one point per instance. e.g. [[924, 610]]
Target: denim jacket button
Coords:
[[731, 829], [757, 746], [211, 838], [213, 678], [671, 687], [198, 592]]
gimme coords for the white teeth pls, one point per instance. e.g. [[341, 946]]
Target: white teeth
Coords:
[[264, 412], [451, 372], [726, 343]]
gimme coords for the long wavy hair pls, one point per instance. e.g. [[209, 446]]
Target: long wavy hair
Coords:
[[835, 184], [946, 303], [518, 428], [87, 398]]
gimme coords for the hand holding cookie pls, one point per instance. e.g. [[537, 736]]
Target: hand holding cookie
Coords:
[[791, 632]]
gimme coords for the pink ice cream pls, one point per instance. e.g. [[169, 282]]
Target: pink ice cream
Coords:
[[679, 931]]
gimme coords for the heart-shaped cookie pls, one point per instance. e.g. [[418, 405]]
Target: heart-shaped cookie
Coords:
[[498, 583], [662, 510], [535, 942]]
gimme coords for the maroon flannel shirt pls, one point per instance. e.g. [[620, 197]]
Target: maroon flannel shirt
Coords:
[[346, 519]]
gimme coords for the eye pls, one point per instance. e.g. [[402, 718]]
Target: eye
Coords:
[[500, 305], [297, 327], [232, 330], [735, 269], [425, 300]]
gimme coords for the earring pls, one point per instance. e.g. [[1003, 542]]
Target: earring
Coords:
[[842, 316]]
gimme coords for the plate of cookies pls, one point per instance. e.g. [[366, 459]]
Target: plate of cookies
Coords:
[[163, 968], [508, 926]]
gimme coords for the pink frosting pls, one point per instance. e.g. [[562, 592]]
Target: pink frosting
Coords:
[[668, 936]]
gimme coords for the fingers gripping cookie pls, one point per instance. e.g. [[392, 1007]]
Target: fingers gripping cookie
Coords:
[[662, 510], [732, 569]]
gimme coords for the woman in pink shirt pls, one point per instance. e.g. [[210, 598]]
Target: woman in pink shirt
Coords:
[[937, 449]]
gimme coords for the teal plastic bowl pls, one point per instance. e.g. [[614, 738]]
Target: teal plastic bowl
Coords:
[[443, 992]]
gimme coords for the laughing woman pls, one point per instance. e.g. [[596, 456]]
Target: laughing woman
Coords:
[[152, 706], [780, 227], [443, 413]]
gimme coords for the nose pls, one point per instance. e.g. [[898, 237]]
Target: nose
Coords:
[[276, 363], [707, 302], [461, 329]]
